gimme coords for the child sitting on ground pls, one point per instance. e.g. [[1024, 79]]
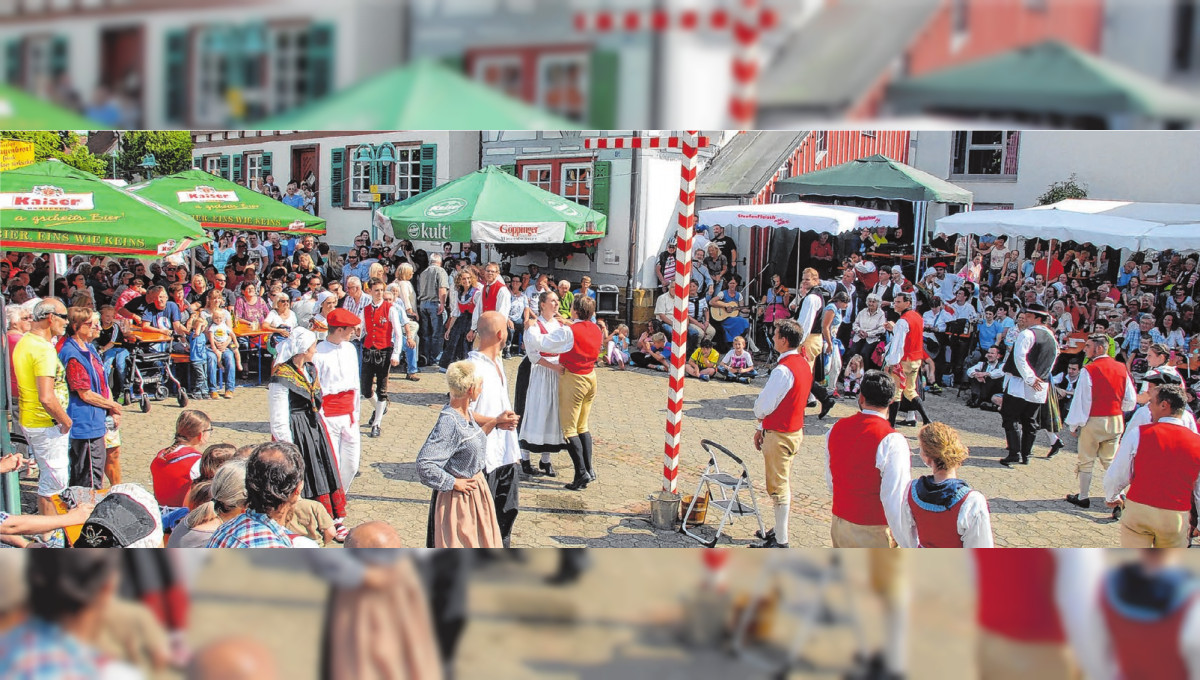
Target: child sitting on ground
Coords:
[[310, 519], [738, 364], [853, 376], [703, 362], [618, 348], [654, 352]]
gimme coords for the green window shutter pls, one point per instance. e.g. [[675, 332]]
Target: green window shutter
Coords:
[[175, 72], [510, 169], [237, 167], [197, 162], [320, 60], [266, 165], [428, 167], [601, 181], [58, 56], [337, 177], [602, 99], [13, 56], [223, 166]]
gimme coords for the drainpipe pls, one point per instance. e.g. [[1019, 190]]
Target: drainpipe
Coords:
[[635, 185]]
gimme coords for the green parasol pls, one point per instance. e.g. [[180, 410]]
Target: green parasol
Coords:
[[492, 206], [422, 96], [23, 111], [218, 203], [52, 207]]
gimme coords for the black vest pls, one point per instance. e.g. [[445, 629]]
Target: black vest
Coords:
[[821, 295], [1041, 356]]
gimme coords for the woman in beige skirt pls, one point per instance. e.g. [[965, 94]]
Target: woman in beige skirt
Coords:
[[451, 463]]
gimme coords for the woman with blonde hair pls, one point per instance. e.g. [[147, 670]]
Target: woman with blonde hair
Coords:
[[940, 510], [451, 462], [461, 307]]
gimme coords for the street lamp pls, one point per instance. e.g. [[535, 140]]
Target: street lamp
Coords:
[[148, 164], [376, 156]]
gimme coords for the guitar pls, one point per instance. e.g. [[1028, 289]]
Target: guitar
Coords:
[[719, 314]]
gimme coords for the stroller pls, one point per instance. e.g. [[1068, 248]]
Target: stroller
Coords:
[[148, 373]]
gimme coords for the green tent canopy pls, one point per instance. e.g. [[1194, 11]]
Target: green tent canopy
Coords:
[[52, 207], [23, 111], [424, 95], [1048, 78], [492, 206], [874, 177], [218, 203]]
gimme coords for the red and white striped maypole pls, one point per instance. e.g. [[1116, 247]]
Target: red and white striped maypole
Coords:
[[689, 142], [746, 24]]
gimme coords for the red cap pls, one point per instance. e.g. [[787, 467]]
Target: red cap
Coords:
[[341, 318]]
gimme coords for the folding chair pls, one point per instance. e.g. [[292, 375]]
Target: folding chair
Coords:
[[730, 488], [806, 591]]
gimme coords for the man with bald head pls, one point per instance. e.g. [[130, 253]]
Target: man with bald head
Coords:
[[503, 449], [375, 534], [232, 658]]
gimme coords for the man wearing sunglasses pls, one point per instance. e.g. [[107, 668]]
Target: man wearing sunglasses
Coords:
[[42, 383]]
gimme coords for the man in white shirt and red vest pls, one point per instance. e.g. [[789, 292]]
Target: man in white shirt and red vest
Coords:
[[1027, 383], [336, 361], [780, 411], [495, 297], [384, 326], [905, 354], [868, 469], [1148, 619], [1160, 464], [1103, 395], [577, 390], [1030, 608]]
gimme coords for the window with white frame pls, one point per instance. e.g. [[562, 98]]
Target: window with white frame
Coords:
[[405, 174], [562, 84], [822, 145], [577, 183], [289, 53], [539, 175], [360, 181], [253, 170], [408, 172], [985, 152], [209, 75], [501, 72], [212, 165]]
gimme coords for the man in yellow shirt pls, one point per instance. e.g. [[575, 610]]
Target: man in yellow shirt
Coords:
[[43, 397]]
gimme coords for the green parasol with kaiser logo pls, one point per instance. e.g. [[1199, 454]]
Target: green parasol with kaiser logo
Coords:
[[492, 206], [53, 207], [218, 203]]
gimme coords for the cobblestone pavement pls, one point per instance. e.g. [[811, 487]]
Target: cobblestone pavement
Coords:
[[628, 426], [622, 620]]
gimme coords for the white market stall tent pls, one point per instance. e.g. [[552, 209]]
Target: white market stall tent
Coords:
[[1116, 224], [822, 219]]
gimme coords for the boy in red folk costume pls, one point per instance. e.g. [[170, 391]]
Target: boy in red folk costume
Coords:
[[1031, 611], [336, 361]]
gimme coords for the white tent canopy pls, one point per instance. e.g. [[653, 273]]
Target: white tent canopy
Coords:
[[823, 219], [1116, 224]]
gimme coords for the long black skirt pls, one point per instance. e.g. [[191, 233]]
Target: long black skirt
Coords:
[[321, 480]]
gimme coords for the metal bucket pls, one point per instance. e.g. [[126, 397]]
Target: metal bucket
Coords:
[[664, 510]]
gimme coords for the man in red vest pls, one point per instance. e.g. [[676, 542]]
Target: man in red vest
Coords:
[[1160, 464], [780, 411], [1148, 623], [1103, 395], [904, 357], [494, 298], [1030, 609], [868, 468], [384, 325], [577, 390]]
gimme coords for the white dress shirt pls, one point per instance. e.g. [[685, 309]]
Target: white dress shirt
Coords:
[[893, 460], [1022, 387], [895, 350], [337, 369], [1120, 473], [398, 319], [502, 445], [935, 321], [995, 371], [974, 522], [778, 385], [809, 309], [1081, 404], [1142, 417], [503, 303]]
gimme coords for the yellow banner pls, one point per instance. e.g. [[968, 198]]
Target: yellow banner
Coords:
[[14, 154]]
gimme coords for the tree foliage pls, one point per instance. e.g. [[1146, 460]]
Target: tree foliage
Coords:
[[66, 146], [172, 151], [1061, 191]]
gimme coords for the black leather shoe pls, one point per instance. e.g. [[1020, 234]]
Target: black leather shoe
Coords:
[[375, 432], [1116, 513], [547, 469], [1058, 446], [825, 408], [1073, 499], [770, 542], [1024, 460], [579, 483], [527, 468], [1010, 460]]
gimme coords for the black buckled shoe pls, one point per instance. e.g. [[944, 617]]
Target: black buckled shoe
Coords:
[[547, 469], [1010, 460], [1058, 446], [770, 542], [527, 468], [579, 483], [1074, 499]]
